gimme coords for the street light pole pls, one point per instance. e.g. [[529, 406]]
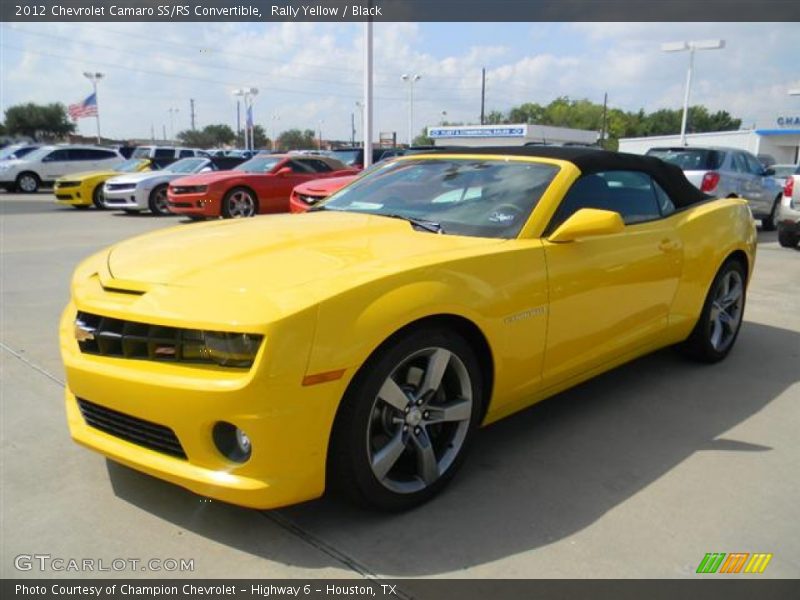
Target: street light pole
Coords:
[[411, 80], [172, 112], [94, 78], [691, 47], [319, 138], [248, 94], [367, 120]]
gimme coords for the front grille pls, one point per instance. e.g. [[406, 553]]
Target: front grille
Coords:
[[130, 339], [63, 196], [117, 187], [181, 204], [111, 200], [131, 429]]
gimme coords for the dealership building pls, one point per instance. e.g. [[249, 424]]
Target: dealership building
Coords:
[[477, 136], [781, 142]]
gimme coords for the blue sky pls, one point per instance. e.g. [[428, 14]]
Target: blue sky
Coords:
[[310, 74]]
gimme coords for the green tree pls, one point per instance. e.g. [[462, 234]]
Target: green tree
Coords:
[[422, 139], [295, 139], [208, 137], [495, 117], [260, 139], [38, 121]]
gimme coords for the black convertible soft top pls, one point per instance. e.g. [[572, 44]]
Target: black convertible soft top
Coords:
[[593, 160]]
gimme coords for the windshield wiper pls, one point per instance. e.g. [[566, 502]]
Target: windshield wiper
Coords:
[[431, 226]]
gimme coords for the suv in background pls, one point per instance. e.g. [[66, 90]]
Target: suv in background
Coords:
[[728, 173], [166, 153], [46, 164]]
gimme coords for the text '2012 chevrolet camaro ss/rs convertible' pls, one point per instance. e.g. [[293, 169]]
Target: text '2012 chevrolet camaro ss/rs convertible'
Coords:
[[360, 345]]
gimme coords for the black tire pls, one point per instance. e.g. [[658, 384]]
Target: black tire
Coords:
[[240, 202], [787, 239], [157, 201], [97, 197], [362, 414], [700, 345], [28, 182], [768, 223]]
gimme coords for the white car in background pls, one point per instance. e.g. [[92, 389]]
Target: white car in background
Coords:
[[147, 190], [789, 211], [46, 164]]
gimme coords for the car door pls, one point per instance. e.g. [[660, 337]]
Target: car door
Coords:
[[610, 294], [104, 159]]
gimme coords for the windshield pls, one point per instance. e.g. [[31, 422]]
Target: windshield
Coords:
[[141, 152], [39, 153], [131, 165], [259, 164], [8, 151], [785, 170], [690, 159], [476, 197], [348, 157], [187, 165]]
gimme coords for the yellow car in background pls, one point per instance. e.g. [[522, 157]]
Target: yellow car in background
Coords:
[[82, 190], [360, 345]]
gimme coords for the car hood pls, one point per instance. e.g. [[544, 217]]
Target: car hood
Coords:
[[291, 259], [141, 176], [87, 175], [325, 186], [210, 177]]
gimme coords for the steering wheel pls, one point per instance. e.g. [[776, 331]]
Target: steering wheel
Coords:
[[504, 214]]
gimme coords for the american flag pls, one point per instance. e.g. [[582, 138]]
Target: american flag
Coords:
[[87, 108]]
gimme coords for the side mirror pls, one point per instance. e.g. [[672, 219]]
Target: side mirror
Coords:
[[283, 171], [588, 222]]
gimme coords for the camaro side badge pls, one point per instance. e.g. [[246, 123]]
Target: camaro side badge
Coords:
[[525, 314], [83, 333]]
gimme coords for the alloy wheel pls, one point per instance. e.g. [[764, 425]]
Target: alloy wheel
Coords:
[[241, 204], [419, 420], [28, 184], [160, 201], [726, 310]]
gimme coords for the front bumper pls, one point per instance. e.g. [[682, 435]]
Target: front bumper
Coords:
[[74, 195], [197, 205], [288, 424], [127, 199]]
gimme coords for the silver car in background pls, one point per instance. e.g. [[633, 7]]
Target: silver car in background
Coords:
[[729, 173], [789, 211]]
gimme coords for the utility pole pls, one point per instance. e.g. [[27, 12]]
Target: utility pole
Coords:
[[152, 132], [191, 111], [483, 94], [164, 132], [353, 129], [605, 122]]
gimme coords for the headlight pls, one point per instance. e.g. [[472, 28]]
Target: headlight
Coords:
[[231, 349], [188, 189]]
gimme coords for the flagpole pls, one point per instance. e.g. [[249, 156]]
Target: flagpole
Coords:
[[94, 78]]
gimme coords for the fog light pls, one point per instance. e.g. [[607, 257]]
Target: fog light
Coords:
[[232, 442]]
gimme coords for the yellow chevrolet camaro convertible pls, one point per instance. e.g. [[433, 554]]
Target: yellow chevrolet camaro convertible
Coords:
[[360, 346], [83, 190]]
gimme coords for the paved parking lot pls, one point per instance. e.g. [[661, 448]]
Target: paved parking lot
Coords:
[[638, 473]]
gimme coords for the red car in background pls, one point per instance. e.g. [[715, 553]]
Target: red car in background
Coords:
[[306, 195], [261, 185]]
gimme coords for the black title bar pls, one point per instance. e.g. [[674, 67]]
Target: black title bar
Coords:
[[400, 10]]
